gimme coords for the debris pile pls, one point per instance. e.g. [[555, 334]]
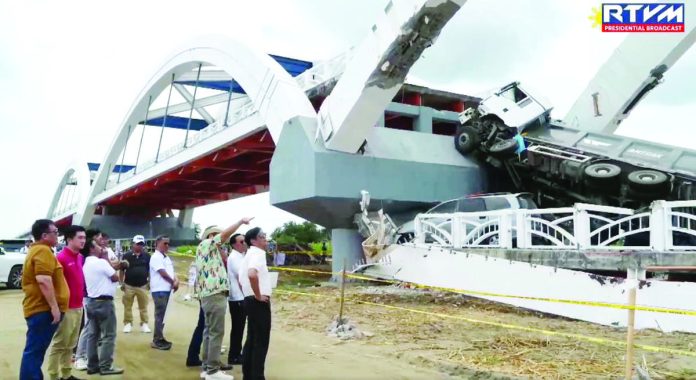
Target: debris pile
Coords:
[[345, 329]]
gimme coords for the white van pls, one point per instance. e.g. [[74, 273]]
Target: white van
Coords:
[[11, 264]]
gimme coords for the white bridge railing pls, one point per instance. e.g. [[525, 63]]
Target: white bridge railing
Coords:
[[664, 226]]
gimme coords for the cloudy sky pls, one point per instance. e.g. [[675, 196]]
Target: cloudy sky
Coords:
[[70, 70]]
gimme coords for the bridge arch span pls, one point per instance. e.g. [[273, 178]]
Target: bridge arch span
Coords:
[[274, 94], [72, 189]]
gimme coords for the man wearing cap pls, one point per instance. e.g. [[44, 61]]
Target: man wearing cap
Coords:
[[212, 288], [134, 280]]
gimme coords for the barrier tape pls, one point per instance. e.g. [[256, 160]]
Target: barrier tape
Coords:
[[489, 294], [603, 341], [313, 253], [287, 253]]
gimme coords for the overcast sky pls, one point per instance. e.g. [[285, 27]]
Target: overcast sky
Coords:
[[69, 71]]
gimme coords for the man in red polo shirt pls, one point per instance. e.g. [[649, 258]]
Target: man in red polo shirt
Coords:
[[65, 339]]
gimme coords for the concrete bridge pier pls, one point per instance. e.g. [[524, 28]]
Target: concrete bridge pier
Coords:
[[347, 250]]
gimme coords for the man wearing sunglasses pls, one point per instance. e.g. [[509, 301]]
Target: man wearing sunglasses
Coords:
[[46, 297]]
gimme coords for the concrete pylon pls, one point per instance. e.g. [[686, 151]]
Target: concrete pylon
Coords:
[[185, 219], [347, 250]]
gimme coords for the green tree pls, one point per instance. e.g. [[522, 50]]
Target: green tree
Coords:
[[299, 233]]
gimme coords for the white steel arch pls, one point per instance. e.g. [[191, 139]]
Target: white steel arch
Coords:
[[72, 188], [275, 95]]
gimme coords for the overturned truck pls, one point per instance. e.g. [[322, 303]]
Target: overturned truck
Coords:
[[511, 130]]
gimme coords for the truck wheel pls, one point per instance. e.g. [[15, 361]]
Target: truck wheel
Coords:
[[466, 140], [504, 147], [603, 175], [648, 182], [14, 280]]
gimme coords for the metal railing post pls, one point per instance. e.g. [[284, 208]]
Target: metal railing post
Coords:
[[581, 227], [457, 238], [660, 227], [521, 223], [419, 236], [505, 230]]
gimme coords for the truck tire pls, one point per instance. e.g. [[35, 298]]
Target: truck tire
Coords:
[[648, 182], [14, 280], [466, 140], [603, 175], [504, 147]]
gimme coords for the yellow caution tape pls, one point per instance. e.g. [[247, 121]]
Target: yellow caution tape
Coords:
[[604, 341], [313, 253], [489, 294]]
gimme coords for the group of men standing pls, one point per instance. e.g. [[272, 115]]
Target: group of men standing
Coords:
[[56, 289], [83, 278], [238, 280]]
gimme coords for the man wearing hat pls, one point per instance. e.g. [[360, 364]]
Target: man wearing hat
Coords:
[[212, 288], [134, 280]]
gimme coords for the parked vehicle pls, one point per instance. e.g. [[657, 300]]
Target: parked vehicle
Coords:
[[11, 264], [473, 203]]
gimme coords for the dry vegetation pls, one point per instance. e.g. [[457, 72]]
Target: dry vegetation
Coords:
[[470, 349]]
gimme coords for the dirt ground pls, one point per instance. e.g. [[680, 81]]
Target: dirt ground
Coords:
[[399, 345]]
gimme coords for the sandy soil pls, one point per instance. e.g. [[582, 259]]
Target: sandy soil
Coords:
[[400, 345]]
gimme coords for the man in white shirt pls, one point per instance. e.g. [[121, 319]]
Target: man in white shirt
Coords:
[[256, 286], [81, 354], [162, 281], [236, 298], [105, 242], [100, 280]]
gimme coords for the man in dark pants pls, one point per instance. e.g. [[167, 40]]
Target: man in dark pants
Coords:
[[101, 279], [256, 286], [46, 297], [162, 281], [194, 350], [236, 298]]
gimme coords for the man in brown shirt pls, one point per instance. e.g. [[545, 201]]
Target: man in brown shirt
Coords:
[[46, 297]]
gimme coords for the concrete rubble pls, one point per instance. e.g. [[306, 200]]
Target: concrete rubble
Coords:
[[345, 329]]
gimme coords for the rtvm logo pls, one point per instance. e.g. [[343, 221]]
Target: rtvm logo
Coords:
[[642, 17]]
